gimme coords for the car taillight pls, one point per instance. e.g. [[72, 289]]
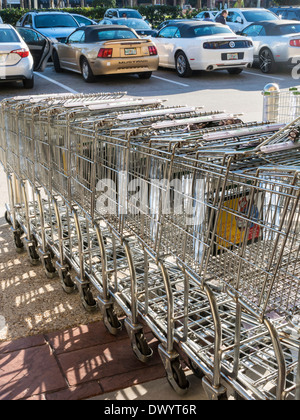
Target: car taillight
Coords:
[[105, 53], [295, 42], [23, 53], [152, 50]]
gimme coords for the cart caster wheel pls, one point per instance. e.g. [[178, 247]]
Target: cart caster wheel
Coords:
[[195, 369], [66, 282], [33, 255], [88, 301], [141, 348], [49, 268], [111, 322], [7, 218], [18, 242], [178, 376]]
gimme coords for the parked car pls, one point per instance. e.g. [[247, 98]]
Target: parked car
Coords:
[[102, 49], [118, 13], [287, 13], [238, 19], [274, 43], [197, 45], [140, 26], [18, 59], [170, 21], [83, 20], [54, 25], [212, 14]]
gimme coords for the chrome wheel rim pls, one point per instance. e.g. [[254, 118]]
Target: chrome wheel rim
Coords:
[[265, 61], [85, 70], [181, 64]]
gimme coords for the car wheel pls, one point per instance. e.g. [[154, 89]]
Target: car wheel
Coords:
[[183, 68], [86, 71], [28, 83], [145, 75], [266, 61], [235, 71], [56, 63]]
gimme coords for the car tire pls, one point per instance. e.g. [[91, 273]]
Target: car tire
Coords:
[[145, 75], [235, 71], [56, 63], [182, 65], [266, 61], [28, 83], [86, 71]]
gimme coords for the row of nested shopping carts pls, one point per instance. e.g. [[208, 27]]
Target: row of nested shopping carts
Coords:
[[188, 220]]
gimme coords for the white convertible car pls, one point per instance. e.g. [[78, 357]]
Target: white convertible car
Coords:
[[187, 46]]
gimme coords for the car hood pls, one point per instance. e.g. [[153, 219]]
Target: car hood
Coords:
[[56, 32]]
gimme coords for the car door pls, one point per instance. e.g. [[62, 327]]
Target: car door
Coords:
[[39, 46], [165, 44], [258, 34], [68, 51]]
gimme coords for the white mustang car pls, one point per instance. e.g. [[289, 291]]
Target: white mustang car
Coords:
[[202, 45]]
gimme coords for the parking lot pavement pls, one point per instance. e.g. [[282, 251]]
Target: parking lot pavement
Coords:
[[217, 90]]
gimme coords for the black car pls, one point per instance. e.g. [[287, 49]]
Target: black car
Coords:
[[140, 26], [287, 13]]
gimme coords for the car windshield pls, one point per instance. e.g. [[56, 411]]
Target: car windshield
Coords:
[[208, 30], [130, 14], [133, 23], [55, 21], [290, 29], [108, 34], [259, 15], [8, 35]]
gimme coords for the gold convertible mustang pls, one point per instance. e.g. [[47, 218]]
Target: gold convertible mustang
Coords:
[[102, 49]]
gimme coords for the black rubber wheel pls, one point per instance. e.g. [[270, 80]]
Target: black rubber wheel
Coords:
[[112, 318], [86, 71], [33, 255], [88, 301], [18, 242], [66, 282], [235, 71], [7, 218], [49, 268], [179, 375], [195, 369], [56, 63], [142, 344], [266, 61], [145, 75], [182, 65], [28, 83]]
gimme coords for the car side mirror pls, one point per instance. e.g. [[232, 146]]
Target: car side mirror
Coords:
[[239, 20]]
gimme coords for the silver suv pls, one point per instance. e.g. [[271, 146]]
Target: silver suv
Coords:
[[54, 25]]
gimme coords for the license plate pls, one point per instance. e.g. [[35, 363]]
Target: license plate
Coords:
[[233, 56], [130, 51]]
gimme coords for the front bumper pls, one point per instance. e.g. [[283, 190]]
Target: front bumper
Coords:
[[124, 65]]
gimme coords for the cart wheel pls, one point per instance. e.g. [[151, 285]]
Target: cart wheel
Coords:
[[49, 268], [7, 218], [112, 318], [18, 242], [178, 376], [88, 301], [66, 282], [33, 255], [142, 345], [195, 369]]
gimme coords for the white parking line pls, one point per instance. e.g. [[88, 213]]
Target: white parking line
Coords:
[[171, 81], [68, 89], [263, 75]]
